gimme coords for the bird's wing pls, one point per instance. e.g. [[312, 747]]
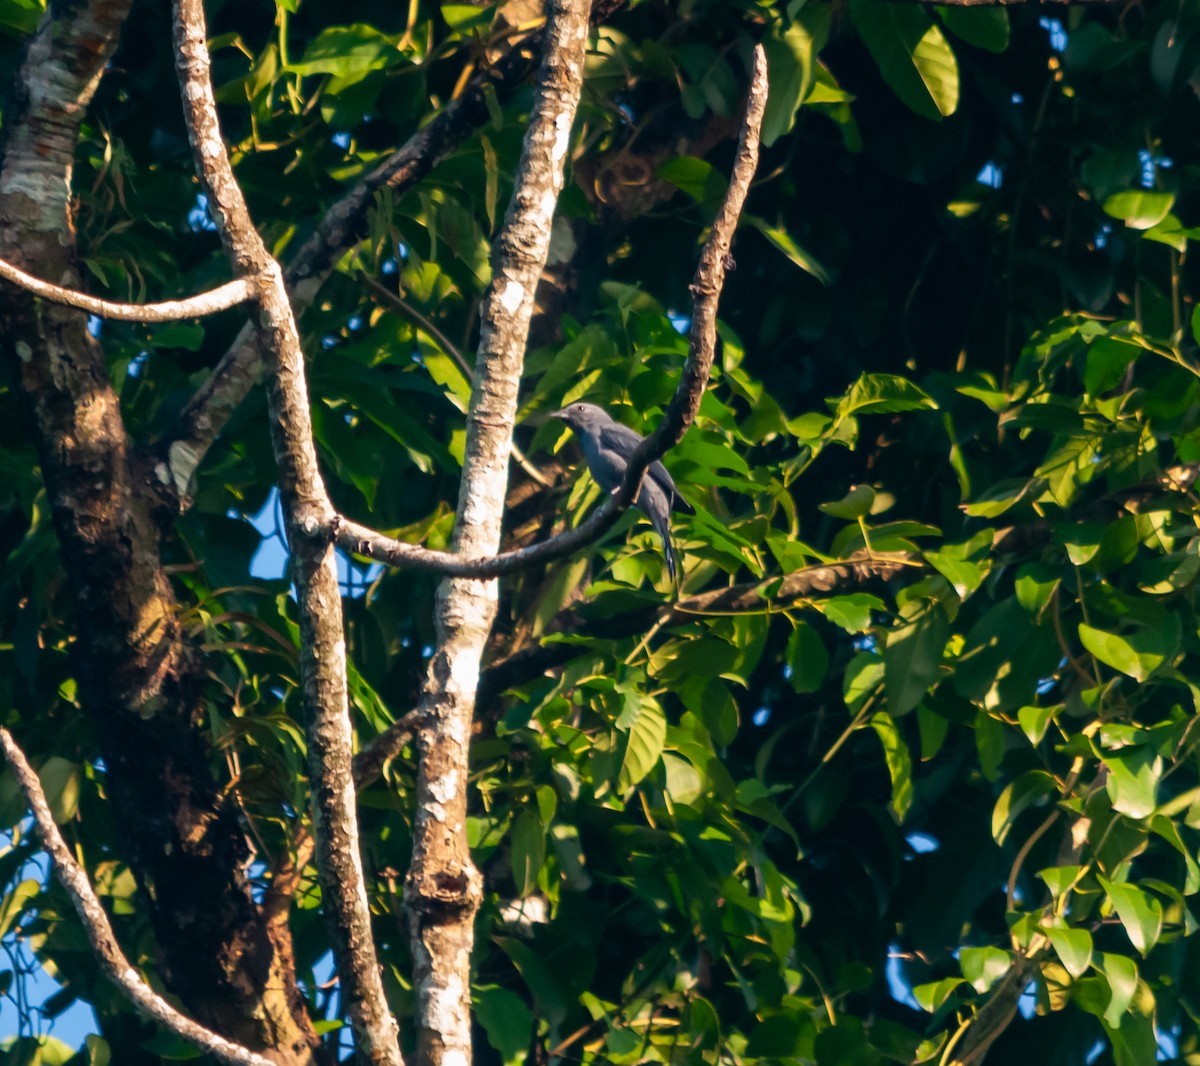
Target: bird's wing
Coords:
[[623, 440]]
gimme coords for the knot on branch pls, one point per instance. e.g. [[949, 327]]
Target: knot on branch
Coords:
[[313, 523], [444, 895], [356, 545]]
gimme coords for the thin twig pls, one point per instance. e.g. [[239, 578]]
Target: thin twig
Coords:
[[100, 932]]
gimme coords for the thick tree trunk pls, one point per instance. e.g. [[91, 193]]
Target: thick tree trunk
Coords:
[[137, 671]]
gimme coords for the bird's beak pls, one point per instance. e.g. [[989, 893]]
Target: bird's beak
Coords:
[[560, 414]]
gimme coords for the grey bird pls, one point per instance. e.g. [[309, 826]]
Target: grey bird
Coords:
[[607, 446]]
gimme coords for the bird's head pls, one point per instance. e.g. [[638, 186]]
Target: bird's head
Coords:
[[581, 415]]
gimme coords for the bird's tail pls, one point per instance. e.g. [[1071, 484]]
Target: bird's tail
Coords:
[[663, 526]]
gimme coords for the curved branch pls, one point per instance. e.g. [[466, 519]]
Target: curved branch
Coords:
[[681, 412], [322, 635], [100, 932], [221, 298]]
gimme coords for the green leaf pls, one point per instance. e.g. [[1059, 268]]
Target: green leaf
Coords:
[[1139, 208], [1121, 973], [506, 1019], [552, 998], [1134, 1043], [684, 782], [881, 394], [807, 658], [781, 1036], [791, 56], [645, 726], [984, 27], [60, 781], [851, 612], [857, 503], [1073, 947], [912, 659], [1138, 654], [1034, 720], [790, 247], [347, 52], [528, 851], [21, 16], [983, 967], [186, 335], [1133, 776], [963, 575], [911, 53], [491, 187], [694, 177], [1003, 496], [1108, 360], [862, 677], [1004, 657], [933, 728], [1060, 879], [13, 903], [1169, 831], [931, 996], [1031, 787], [899, 762], [1140, 913], [460, 17]]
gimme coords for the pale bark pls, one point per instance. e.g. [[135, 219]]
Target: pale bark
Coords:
[[443, 889], [306, 506], [221, 298], [99, 931]]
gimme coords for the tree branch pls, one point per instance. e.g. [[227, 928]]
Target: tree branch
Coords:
[[306, 505], [825, 579], [368, 763], [240, 369], [443, 888], [222, 298], [99, 931], [681, 412]]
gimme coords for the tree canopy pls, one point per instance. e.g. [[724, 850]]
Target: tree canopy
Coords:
[[905, 771]]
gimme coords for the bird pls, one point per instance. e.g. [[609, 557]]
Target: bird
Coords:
[[607, 446]]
